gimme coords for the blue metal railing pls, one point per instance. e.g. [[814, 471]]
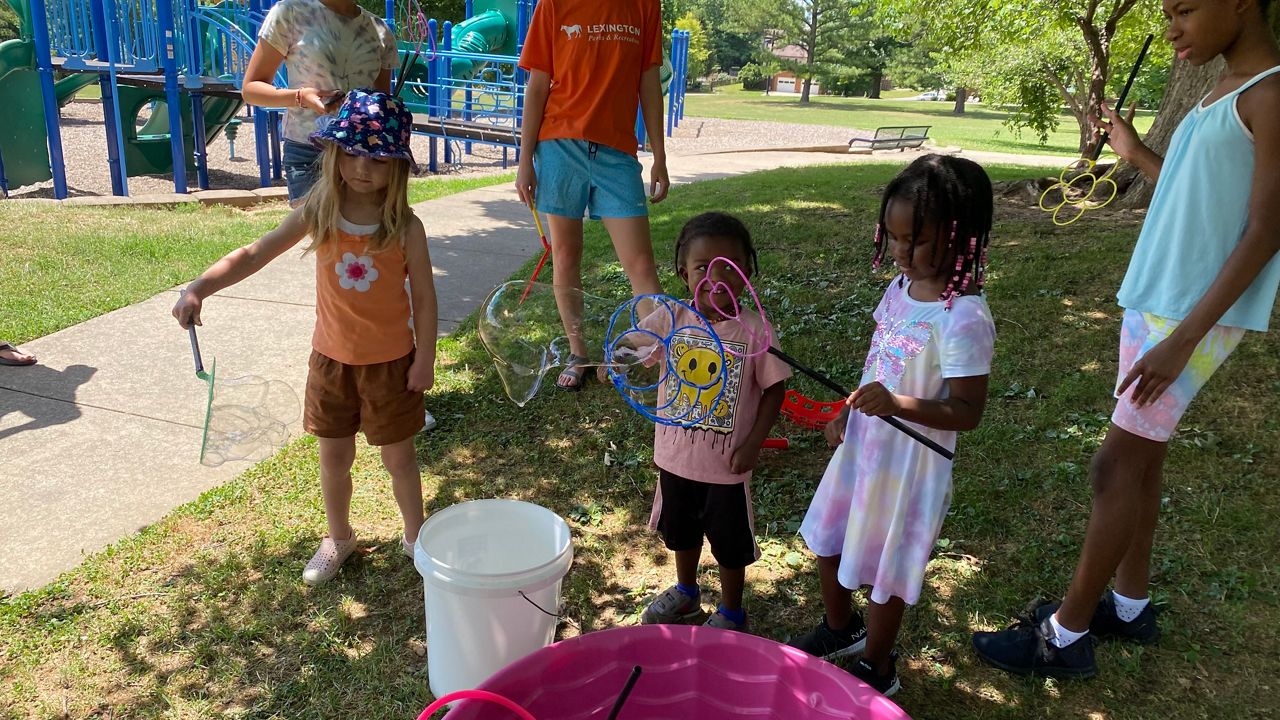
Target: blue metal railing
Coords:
[[126, 31], [493, 97]]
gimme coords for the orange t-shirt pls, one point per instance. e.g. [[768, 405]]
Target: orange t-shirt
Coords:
[[362, 310], [595, 52]]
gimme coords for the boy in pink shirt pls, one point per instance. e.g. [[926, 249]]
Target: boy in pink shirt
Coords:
[[705, 469]]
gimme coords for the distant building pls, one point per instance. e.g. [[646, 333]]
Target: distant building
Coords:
[[786, 81]]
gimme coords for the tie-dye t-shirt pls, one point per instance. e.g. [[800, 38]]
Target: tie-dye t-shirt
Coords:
[[326, 51], [883, 498]]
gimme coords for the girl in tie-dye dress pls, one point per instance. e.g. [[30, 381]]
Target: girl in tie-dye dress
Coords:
[[880, 506]]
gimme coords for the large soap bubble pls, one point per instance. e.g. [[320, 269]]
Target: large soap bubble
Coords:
[[668, 381], [248, 419], [520, 327], [245, 418], [665, 360]]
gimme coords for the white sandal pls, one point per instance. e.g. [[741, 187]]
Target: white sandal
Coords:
[[328, 559]]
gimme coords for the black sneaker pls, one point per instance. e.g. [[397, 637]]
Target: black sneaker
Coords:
[[830, 644], [1107, 625], [1024, 649], [886, 684]]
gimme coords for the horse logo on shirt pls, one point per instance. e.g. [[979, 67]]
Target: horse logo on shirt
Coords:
[[572, 31]]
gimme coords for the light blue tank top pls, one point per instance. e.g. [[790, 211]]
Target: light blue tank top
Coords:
[[1197, 217]]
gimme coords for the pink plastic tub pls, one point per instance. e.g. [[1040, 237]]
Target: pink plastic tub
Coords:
[[688, 672]]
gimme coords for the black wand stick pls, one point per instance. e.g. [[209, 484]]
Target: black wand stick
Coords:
[[626, 692], [1124, 95], [844, 393]]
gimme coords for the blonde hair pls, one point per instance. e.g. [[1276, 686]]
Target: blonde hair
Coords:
[[322, 207]]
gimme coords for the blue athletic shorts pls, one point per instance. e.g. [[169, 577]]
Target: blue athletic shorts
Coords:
[[301, 168], [577, 176]]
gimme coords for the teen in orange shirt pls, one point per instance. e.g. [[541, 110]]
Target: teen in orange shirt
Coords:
[[590, 63]]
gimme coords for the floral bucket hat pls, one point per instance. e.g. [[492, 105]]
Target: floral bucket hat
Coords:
[[373, 124]]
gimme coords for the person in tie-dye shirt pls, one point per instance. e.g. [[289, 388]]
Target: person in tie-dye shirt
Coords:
[[331, 47], [879, 508]]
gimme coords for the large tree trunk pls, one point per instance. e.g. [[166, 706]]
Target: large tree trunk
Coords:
[[962, 96], [1099, 44], [877, 79], [811, 51], [1187, 85]]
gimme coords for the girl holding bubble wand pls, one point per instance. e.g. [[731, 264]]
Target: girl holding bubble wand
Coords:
[[1203, 272], [368, 368], [879, 508]]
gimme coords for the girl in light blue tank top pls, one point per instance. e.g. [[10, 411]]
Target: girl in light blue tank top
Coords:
[[1205, 270], [1197, 217]]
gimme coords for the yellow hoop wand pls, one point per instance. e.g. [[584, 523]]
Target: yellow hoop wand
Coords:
[[1078, 186]]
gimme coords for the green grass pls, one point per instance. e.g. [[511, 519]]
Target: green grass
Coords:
[[423, 189], [203, 614], [66, 265], [980, 128]]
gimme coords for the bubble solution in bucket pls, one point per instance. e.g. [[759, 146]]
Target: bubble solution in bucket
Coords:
[[476, 559], [690, 672]]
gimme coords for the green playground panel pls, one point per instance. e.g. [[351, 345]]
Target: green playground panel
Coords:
[[147, 149]]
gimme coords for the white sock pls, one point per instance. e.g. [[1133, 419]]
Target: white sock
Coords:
[[1128, 608], [1063, 637]]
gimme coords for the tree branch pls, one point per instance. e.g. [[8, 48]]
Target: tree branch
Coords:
[[1091, 12], [1066, 94], [1091, 38], [1121, 9]]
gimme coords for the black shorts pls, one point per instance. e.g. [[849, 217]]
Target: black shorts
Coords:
[[692, 510]]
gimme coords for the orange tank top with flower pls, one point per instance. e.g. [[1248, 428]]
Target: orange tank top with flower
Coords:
[[362, 309]]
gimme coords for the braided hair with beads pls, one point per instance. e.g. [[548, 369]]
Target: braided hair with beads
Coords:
[[955, 194]]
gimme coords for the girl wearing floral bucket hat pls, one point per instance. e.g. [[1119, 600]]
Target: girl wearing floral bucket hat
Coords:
[[368, 367]]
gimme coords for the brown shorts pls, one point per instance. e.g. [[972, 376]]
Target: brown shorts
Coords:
[[342, 399]]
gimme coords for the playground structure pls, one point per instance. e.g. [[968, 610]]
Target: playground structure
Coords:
[[461, 82]]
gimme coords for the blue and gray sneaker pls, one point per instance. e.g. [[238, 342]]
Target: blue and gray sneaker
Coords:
[[672, 607], [719, 620]]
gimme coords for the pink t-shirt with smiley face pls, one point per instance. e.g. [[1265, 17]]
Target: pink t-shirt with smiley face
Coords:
[[702, 451]]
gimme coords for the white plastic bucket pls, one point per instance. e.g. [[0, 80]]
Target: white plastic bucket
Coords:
[[476, 558]]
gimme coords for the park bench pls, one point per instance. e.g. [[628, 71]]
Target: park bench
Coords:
[[894, 138]]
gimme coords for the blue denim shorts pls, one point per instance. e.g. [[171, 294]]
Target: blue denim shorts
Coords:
[[301, 168], [577, 176]]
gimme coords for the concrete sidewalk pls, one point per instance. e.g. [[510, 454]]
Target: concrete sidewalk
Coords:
[[102, 437]]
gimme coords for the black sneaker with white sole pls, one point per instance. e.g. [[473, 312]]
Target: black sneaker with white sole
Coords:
[[1026, 649], [1107, 625], [830, 644], [886, 684]]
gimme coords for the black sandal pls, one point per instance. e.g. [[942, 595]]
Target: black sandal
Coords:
[[575, 371]]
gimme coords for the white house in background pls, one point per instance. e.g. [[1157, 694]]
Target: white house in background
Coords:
[[786, 81]]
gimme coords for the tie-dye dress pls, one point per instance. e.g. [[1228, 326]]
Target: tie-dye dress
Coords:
[[883, 498]]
